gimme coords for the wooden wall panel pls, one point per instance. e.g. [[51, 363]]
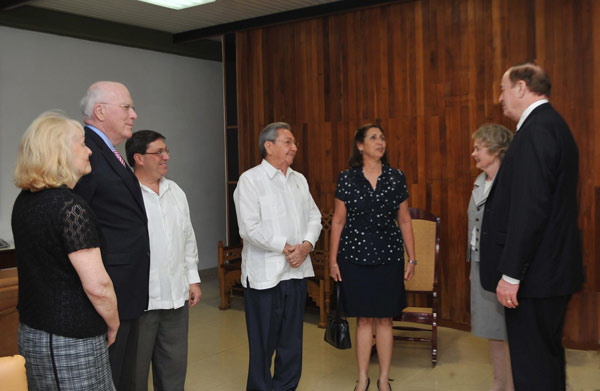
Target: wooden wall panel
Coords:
[[429, 72]]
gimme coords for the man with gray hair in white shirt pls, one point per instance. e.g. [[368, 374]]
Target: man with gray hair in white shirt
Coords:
[[280, 224], [174, 279]]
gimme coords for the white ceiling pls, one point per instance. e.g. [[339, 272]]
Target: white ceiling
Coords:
[[146, 15]]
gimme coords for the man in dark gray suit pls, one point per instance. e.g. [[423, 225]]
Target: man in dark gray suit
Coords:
[[530, 244], [113, 192]]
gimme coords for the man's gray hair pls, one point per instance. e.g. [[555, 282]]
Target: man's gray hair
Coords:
[[269, 133], [94, 95]]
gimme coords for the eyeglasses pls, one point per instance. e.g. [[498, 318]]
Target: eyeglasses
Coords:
[[288, 142], [125, 106], [162, 153]]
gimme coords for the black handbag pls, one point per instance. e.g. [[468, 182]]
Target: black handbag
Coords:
[[337, 333]]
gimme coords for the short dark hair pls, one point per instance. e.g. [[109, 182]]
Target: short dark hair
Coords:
[[138, 143], [356, 159], [534, 76]]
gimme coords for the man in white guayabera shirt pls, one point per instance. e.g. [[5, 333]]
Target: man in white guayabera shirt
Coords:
[[279, 224], [174, 279]]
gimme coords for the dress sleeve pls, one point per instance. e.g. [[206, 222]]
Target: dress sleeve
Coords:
[[78, 227], [402, 187], [341, 189]]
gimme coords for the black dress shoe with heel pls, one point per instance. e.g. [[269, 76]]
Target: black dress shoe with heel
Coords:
[[368, 383], [389, 385]]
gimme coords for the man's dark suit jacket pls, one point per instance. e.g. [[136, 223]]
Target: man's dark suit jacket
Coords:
[[113, 192], [529, 229]]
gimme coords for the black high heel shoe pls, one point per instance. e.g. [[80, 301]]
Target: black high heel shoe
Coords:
[[378, 389], [368, 384]]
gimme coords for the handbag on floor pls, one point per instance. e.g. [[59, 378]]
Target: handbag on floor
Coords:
[[337, 333]]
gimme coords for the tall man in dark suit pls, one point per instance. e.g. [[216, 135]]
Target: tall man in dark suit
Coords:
[[114, 193], [530, 244]]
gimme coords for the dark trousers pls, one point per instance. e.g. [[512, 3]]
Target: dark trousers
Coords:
[[535, 331], [274, 320], [162, 339], [122, 354]]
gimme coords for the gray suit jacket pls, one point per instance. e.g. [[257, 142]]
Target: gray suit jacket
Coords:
[[475, 212]]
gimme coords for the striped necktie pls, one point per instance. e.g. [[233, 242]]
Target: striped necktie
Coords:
[[118, 155]]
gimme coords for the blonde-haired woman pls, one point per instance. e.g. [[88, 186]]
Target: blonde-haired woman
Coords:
[[490, 143], [67, 304]]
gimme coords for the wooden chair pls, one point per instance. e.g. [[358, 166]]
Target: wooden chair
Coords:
[[426, 227], [9, 316], [230, 271], [319, 287]]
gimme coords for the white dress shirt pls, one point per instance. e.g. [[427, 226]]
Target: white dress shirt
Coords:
[[528, 111], [274, 209], [173, 251]]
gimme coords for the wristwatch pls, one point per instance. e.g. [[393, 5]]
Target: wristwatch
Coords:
[[413, 261]]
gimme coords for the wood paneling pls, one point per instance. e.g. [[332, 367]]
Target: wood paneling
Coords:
[[429, 71]]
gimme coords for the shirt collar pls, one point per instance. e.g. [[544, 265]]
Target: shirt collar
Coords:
[[163, 187], [102, 136], [385, 169], [272, 171], [528, 111], [482, 179]]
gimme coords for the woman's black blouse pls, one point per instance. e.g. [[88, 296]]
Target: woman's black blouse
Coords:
[[48, 225], [371, 235]]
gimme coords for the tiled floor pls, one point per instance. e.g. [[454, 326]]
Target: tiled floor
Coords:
[[218, 356]]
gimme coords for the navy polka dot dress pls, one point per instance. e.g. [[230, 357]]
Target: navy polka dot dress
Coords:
[[371, 251]]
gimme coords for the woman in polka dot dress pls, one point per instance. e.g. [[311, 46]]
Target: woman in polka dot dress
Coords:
[[371, 225]]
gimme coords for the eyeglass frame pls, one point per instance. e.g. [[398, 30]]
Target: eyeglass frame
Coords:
[[125, 106], [160, 153]]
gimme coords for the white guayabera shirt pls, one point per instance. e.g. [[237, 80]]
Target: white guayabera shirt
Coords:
[[274, 209], [173, 249]]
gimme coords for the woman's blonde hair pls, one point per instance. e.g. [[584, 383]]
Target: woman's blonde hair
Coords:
[[45, 157]]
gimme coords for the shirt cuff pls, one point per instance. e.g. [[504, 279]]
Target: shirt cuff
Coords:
[[279, 242], [193, 277], [510, 280], [312, 245]]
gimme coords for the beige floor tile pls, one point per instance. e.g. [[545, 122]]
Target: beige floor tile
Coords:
[[218, 356]]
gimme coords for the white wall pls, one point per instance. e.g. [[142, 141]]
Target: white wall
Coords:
[[178, 96]]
